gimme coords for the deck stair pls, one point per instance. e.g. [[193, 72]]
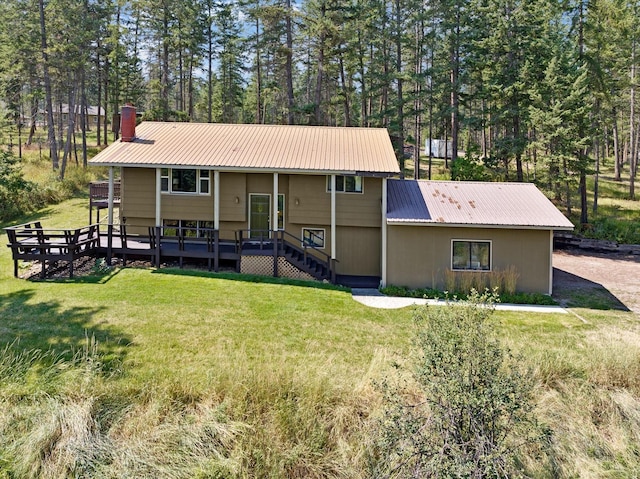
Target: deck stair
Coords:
[[301, 259], [308, 258]]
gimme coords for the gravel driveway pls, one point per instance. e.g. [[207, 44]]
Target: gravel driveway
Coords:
[[597, 275]]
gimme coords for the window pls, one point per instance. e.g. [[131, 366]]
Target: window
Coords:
[[346, 184], [184, 181], [190, 228], [471, 255], [313, 237]]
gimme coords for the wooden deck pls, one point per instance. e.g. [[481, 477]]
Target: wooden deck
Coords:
[[32, 242]]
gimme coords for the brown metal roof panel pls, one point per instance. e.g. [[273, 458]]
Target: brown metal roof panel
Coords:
[[472, 203], [255, 146]]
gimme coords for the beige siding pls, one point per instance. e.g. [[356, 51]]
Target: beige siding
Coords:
[[138, 193], [358, 251], [352, 209], [419, 255], [233, 197], [187, 207]]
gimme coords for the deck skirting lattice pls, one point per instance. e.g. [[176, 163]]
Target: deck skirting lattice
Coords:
[[287, 270], [263, 266]]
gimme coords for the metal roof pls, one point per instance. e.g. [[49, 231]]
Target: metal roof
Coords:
[[467, 203], [250, 147]]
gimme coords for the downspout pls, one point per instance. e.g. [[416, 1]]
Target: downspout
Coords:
[[383, 281], [333, 221], [274, 224]]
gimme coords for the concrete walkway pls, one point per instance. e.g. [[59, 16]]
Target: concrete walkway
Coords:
[[375, 299]]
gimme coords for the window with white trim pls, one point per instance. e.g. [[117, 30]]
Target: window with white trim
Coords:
[[313, 237], [469, 255], [189, 181], [346, 184]]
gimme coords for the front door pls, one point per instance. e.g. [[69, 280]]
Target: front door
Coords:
[[259, 215]]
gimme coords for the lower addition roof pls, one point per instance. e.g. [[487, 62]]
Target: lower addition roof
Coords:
[[259, 148], [469, 203]]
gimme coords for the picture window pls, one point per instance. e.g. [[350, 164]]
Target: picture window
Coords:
[[470, 255]]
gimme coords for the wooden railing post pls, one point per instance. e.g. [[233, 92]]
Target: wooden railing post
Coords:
[[275, 254], [158, 230], [216, 249]]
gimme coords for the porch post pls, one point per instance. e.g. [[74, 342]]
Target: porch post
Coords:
[[383, 281], [109, 217], [274, 224], [550, 262], [158, 195], [333, 219], [110, 195], [216, 200]]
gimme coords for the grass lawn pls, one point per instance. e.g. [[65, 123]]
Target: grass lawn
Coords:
[[182, 373]]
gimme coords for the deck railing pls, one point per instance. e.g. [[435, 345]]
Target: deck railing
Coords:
[[32, 242]]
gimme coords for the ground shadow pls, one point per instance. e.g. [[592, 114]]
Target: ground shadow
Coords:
[[249, 278], [574, 291], [27, 325]]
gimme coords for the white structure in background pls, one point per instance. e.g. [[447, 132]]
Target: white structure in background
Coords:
[[438, 148]]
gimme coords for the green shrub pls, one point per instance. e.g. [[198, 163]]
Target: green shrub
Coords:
[[17, 195], [505, 297], [465, 408]]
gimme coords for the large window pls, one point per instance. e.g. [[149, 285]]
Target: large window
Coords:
[[313, 237], [471, 255], [346, 184], [184, 181]]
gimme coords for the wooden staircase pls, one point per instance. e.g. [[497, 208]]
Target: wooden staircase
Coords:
[[301, 259]]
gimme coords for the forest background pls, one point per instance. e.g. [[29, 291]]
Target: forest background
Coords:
[[535, 90]]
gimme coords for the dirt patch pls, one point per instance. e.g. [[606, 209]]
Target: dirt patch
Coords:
[[598, 280]]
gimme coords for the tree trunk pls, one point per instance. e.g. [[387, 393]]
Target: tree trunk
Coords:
[[84, 117], [70, 129], [616, 147], [289, 63], [99, 70], [51, 131], [400, 97], [34, 116], [633, 153]]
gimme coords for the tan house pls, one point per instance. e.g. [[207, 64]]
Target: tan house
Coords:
[[326, 191]]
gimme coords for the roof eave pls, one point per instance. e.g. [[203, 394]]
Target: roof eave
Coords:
[[248, 169], [391, 222]]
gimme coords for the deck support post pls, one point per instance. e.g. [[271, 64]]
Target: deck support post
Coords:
[[274, 225], [383, 255]]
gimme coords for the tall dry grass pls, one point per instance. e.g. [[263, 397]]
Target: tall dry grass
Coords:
[[283, 421], [69, 416]]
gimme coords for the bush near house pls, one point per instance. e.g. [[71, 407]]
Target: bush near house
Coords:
[[465, 407]]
